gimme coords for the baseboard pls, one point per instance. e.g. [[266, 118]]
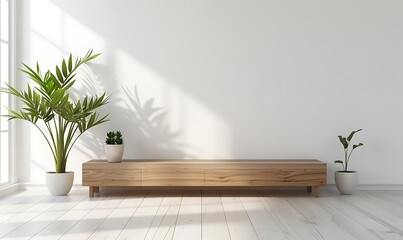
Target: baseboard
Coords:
[[373, 187], [380, 187], [9, 189]]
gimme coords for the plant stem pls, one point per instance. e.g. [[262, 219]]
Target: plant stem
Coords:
[[349, 155], [345, 159], [61, 160]]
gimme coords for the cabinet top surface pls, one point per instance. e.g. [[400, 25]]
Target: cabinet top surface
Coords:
[[209, 161]]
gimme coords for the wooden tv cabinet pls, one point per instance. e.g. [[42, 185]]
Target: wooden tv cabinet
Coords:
[[205, 173]]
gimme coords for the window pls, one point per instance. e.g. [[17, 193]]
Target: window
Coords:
[[5, 163]]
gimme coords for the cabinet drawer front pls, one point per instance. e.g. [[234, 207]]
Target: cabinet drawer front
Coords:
[[173, 177], [235, 177], [296, 177], [118, 177]]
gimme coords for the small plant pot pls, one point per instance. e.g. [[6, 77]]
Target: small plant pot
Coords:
[[114, 152], [346, 181], [59, 184]]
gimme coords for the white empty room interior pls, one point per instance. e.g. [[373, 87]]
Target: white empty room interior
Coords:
[[259, 119]]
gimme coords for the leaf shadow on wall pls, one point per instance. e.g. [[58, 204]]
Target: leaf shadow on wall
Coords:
[[90, 144], [149, 134], [154, 137]]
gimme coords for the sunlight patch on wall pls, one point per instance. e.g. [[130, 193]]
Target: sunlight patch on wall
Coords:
[[56, 34], [184, 126], [47, 21], [78, 38]]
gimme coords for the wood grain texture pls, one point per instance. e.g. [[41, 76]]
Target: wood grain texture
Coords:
[[304, 172], [315, 191], [207, 164], [296, 177], [172, 176], [235, 177], [111, 177]]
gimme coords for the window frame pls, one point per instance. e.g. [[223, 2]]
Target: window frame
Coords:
[[12, 173]]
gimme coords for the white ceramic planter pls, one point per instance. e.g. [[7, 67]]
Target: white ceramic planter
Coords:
[[59, 184], [346, 181], [114, 153]]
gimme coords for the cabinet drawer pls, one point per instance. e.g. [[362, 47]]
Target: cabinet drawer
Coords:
[[296, 177], [173, 177], [235, 177], [114, 177]]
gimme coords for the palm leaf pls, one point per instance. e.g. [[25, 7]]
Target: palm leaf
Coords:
[[343, 141], [48, 100], [352, 134]]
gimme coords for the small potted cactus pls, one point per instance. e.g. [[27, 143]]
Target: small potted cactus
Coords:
[[114, 146]]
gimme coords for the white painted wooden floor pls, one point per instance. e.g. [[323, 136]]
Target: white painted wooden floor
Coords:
[[201, 214]]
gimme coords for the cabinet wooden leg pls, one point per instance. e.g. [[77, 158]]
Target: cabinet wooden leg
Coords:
[[309, 189], [315, 191], [91, 191], [96, 189]]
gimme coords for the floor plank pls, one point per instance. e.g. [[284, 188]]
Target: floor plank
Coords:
[[17, 200], [165, 220], [35, 225], [58, 228], [381, 211], [321, 220], [117, 220], [262, 221], [288, 219], [139, 224], [33, 217], [239, 224], [214, 225], [201, 214], [90, 222], [23, 201], [188, 224], [355, 221], [16, 221]]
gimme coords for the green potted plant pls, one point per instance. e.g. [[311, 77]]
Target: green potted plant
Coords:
[[114, 146], [48, 106], [346, 181]]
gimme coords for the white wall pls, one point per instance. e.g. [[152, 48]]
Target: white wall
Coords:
[[231, 79]]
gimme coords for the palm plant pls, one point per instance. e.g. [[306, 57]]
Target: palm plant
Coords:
[[347, 153], [49, 107]]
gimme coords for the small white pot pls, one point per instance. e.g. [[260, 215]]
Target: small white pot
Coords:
[[346, 181], [59, 184], [114, 152]]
